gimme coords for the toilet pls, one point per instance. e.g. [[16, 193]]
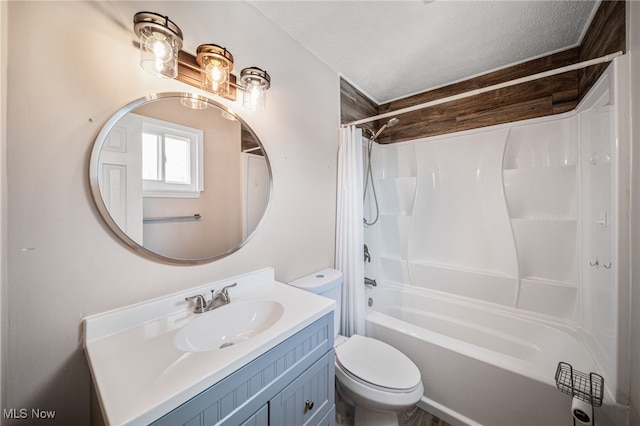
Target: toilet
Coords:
[[375, 378]]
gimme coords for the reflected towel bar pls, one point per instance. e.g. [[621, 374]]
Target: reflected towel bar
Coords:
[[172, 219]]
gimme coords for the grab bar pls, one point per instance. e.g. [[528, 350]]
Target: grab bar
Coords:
[[171, 218]]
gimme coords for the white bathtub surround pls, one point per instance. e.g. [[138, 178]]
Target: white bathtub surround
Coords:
[[528, 220], [349, 230], [474, 359], [604, 226], [137, 367]]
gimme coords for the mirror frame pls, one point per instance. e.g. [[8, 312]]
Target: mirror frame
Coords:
[[94, 163]]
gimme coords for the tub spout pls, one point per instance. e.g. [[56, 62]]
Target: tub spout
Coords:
[[369, 281]]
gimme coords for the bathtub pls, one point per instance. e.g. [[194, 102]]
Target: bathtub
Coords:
[[480, 365]]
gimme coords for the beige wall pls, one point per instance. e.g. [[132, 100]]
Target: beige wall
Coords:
[[3, 198], [71, 65], [633, 44]]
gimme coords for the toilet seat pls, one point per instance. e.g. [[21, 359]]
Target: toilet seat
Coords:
[[342, 373], [377, 364]]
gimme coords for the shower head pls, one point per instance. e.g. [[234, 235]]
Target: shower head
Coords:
[[392, 122]]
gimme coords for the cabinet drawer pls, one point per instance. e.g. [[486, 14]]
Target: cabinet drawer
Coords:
[[308, 398]]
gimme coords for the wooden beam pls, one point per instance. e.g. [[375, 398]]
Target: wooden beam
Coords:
[[606, 34]]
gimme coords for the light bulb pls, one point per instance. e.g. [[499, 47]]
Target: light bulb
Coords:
[[162, 53], [254, 95], [158, 44], [216, 72], [217, 75]]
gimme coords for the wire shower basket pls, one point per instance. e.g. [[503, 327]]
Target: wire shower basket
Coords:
[[587, 387]]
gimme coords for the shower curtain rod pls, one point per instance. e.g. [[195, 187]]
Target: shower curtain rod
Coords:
[[572, 67]]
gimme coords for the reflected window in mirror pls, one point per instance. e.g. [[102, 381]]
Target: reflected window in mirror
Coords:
[[172, 160]]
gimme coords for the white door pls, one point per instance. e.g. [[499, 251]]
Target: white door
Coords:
[[256, 191], [120, 174]]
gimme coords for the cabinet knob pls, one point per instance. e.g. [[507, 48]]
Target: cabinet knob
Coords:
[[308, 405]]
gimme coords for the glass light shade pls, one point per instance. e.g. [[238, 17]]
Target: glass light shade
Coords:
[[216, 64], [160, 42], [254, 97], [255, 83], [229, 115], [193, 101]]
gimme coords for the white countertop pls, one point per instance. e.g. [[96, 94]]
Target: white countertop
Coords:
[[140, 374]]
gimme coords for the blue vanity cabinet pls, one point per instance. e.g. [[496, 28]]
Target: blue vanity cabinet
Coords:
[[291, 384]]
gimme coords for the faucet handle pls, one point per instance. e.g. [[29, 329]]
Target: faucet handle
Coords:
[[225, 293], [200, 303]]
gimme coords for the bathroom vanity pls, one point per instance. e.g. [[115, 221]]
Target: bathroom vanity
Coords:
[[265, 358]]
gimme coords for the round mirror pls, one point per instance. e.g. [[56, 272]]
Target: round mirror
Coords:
[[180, 178]]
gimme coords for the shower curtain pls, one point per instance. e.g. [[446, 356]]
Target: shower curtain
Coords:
[[350, 230]]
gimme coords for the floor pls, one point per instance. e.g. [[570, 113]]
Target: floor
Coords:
[[412, 416], [415, 416]]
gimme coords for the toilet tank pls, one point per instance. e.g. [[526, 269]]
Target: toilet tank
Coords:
[[327, 283]]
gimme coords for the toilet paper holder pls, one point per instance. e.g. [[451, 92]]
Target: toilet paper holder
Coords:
[[587, 388]]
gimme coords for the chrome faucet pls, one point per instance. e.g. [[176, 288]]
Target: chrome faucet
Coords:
[[220, 299], [217, 300], [369, 281]]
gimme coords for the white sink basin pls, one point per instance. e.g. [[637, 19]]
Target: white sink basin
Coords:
[[228, 325], [134, 356]]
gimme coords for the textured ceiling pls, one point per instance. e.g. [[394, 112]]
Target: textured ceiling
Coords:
[[393, 49]]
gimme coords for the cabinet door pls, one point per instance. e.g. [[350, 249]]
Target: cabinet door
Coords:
[[308, 398], [329, 419]]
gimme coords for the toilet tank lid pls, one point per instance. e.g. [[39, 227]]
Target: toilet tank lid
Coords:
[[319, 282]]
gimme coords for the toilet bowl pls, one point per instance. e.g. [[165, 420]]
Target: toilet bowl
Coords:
[[375, 378]]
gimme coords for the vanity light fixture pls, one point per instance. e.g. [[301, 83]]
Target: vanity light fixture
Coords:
[[255, 83], [160, 42], [209, 70], [216, 64]]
